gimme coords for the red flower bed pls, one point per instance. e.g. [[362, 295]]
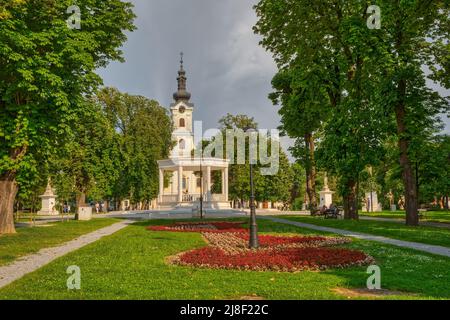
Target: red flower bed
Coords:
[[297, 241], [291, 259], [228, 248]]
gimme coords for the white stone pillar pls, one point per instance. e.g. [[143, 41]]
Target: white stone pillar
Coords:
[[225, 183], [180, 184], [208, 183], [161, 185]]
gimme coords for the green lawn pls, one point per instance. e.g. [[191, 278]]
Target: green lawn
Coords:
[[430, 216], [31, 240], [429, 235], [130, 264]]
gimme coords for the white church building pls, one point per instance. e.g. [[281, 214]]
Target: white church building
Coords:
[[183, 178]]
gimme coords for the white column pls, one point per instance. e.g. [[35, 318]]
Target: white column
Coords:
[[208, 183], [161, 185], [180, 184], [225, 182]]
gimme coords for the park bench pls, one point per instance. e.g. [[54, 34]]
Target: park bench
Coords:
[[316, 212], [332, 213]]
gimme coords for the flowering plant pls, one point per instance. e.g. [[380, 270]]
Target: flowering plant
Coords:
[[228, 249]]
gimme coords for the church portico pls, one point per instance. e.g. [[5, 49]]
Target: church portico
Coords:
[[183, 178]]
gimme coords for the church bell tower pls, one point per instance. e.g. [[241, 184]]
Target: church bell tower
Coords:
[[181, 111]]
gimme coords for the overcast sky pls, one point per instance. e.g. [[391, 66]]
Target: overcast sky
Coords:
[[228, 72]]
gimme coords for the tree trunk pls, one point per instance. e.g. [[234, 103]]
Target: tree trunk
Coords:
[[81, 199], [310, 169], [8, 192], [351, 201], [294, 193], [412, 216]]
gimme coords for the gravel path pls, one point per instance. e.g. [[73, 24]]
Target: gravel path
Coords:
[[32, 262], [439, 250]]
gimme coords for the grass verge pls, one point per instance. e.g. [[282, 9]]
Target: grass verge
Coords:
[[428, 235], [31, 240], [428, 216], [131, 264]]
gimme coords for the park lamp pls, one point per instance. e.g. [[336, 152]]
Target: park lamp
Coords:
[[254, 243]]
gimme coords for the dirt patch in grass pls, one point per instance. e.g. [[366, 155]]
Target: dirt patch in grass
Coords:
[[252, 297], [366, 293], [248, 297]]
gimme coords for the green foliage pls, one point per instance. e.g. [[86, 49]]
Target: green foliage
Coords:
[[88, 159], [434, 169], [267, 187], [372, 81], [304, 103], [240, 121], [45, 67], [145, 130]]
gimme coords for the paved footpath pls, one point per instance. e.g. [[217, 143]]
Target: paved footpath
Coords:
[[439, 250], [32, 262]]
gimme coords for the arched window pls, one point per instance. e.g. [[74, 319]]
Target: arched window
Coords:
[[182, 123], [182, 144]]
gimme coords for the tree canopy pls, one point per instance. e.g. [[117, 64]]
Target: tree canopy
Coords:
[[374, 79], [45, 70]]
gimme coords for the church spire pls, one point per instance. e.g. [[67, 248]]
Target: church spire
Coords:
[[181, 94]]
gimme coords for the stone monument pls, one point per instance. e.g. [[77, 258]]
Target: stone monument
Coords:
[[375, 206], [326, 195], [84, 213], [392, 205], [48, 202]]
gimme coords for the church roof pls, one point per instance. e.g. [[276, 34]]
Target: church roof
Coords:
[[182, 94]]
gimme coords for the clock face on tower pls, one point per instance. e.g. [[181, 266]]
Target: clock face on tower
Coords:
[[182, 109]]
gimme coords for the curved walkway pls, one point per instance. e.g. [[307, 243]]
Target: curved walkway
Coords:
[[439, 250], [32, 262]]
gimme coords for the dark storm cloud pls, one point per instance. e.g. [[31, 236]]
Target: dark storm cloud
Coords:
[[227, 70]]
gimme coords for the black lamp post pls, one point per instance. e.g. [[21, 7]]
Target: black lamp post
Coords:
[[201, 186], [254, 243]]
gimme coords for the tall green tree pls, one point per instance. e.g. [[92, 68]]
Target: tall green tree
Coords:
[[88, 160], [303, 110], [146, 137], [329, 44], [415, 34], [45, 68], [369, 74]]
